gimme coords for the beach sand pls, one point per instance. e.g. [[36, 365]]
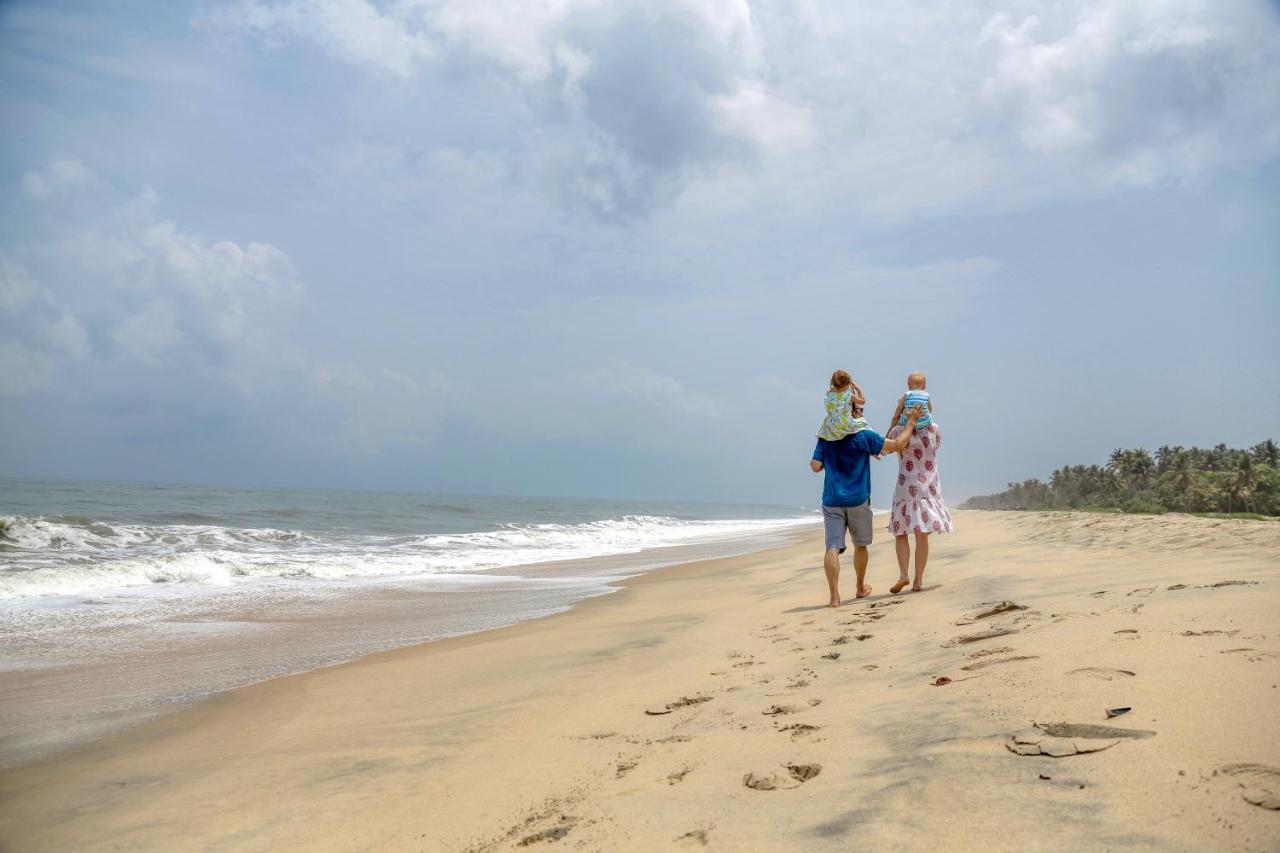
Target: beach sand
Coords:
[[634, 721]]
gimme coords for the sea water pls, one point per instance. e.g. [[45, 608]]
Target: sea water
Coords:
[[119, 601]]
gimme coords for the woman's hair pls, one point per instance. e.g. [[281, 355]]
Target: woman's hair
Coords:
[[841, 380]]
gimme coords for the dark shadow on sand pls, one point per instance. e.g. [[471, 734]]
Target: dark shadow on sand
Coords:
[[845, 602]]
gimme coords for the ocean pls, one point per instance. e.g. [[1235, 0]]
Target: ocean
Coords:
[[119, 601]]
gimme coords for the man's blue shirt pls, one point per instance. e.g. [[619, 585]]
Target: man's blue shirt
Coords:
[[847, 467]]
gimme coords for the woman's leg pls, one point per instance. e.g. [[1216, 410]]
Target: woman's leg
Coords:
[[903, 549], [922, 557]]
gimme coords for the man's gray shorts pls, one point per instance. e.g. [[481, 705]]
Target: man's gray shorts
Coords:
[[855, 519]]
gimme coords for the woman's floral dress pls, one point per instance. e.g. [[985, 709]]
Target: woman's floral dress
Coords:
[[917, 499]]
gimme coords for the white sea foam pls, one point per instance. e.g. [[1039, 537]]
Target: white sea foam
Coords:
[[67, 556]]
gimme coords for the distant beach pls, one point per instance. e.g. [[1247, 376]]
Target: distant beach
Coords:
[[716, 704]]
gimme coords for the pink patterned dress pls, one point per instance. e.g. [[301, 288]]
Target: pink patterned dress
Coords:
[[917, 499]]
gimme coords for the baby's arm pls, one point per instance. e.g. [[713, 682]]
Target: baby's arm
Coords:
[[897, 413], [857, 397]]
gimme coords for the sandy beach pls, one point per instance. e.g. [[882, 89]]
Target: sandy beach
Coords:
[[716, 705]]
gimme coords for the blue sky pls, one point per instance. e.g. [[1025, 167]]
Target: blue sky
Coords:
[[593, 247]]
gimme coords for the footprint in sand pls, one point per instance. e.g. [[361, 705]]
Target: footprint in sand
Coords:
[[793, 776], [799, 729], [1252, 655], [1261, 783], [981, 653], [983, 664], [778, 710], [1102, 672], [988, 611], [965, 639], [555, 833], [1126, 633], [1209, 633], [831, 656], [695, 838], [682, 702], [677, 776]]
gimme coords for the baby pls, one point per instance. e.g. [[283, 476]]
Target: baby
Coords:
[[915, 396], [842, 398]]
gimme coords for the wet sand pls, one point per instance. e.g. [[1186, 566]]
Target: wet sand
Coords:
[[716, 705]]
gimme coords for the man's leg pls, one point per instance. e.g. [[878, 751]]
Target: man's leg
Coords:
[[861, 556], [831, 565], [860, 525], [835, 525], [903, 549], [922, 557]]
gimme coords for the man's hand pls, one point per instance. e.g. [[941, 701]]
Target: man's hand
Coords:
[[899, 444], [815, 466]]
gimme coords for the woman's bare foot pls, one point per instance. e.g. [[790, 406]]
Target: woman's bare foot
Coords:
[[897, 587], [835, 602], [864, 591], [915, 588]]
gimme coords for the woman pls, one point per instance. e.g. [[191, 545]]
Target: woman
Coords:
[[918, 508]]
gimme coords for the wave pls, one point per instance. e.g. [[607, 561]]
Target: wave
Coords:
[[72, 555]]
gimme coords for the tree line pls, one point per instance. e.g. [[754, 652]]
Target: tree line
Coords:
[[1173, 479]]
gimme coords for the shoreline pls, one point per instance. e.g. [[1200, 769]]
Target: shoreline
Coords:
[[214, 645], [538, 730]]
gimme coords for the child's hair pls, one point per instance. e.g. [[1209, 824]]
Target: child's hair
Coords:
[[841, 380], [914, 379]]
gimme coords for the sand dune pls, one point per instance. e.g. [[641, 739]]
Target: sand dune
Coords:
[[716, 706]]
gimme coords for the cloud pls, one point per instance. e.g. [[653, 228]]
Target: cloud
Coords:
[[636, 96], [59, 175], [209, 327], [1151, 90], [353, 30], [889, 112]]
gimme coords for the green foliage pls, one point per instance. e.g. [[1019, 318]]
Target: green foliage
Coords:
[[1173, 479]]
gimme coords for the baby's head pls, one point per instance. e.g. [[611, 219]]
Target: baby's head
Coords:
[[841, 380], [915, 382]]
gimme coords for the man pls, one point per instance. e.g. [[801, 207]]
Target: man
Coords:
[[846, 496]]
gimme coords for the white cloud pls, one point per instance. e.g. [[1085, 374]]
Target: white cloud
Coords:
[[887, 111], [353, 30], [60, 174]]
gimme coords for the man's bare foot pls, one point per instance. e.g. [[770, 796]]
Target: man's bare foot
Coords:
[[915, 588], [835, 602], [897, 587], [864, 591]]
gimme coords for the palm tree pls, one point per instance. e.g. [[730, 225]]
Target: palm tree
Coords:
[[1266, 453]]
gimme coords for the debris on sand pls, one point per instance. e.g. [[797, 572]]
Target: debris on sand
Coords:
[[1037, 743]]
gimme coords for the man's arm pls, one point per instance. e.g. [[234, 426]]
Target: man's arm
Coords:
[[899, 444], [815, 464]]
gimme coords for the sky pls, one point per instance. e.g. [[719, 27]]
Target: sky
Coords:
[[616, 249]]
